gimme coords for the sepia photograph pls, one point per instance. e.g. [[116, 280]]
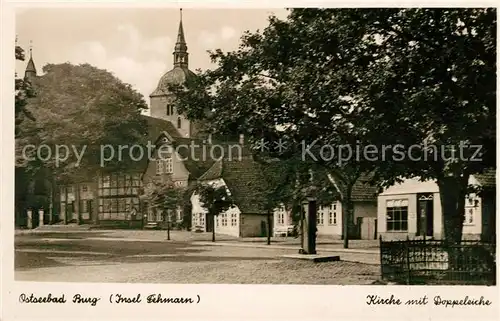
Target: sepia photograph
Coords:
[[350, 146], [287, 162]]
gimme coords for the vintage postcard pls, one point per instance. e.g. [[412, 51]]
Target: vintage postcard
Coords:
[[208, 161]]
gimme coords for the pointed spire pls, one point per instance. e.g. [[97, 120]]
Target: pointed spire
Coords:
[[180, 33], [180, 51], [30, 68]]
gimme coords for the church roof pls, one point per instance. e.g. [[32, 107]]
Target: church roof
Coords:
[[31, 66], [177, 76], [180, 73], [180, 45]]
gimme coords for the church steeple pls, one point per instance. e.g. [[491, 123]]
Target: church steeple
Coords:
[[30, 71], [180, 51]]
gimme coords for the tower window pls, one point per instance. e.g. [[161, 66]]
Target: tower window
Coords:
[[179, 122], [170, 109]]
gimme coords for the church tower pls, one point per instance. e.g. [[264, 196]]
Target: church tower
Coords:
[[161, 100], [30, 72]]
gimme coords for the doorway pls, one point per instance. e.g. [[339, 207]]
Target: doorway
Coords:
[[425, 214]]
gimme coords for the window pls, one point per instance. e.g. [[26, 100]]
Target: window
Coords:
[[179, 122], [202, 219], [159, 215], [470, 208], [105, 181], [217, 221], [234, 218], [159, 167], [69, 189], [332, 215], [320, 218], [164, 166], [397, 215], [281, 216], [224, 219], [168, 165], [84, 188], [151, 215], [168, 110], [117, 196], [469, 216]]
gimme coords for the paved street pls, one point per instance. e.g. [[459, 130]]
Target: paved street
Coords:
[[131, 256]]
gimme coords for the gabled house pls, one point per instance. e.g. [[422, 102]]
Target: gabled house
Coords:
[[412, 209], [243, 179], [178, 160]]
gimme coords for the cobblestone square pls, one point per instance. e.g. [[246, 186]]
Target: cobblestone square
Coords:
[[105, 257]]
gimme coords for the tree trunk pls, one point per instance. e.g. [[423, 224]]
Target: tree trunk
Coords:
[[213, 228], [268, 227], [346, 215], [301, 230], [452, 192], [168, 224]]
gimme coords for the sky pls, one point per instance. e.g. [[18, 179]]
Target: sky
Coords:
[[135, 44]]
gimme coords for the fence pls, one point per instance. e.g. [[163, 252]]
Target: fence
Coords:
[[435, 262]]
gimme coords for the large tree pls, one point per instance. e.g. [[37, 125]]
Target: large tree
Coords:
[[373, 78], [82, 108], [78, 109]]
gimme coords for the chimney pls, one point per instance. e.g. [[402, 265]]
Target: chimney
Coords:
[[242, 139], [209, 139]]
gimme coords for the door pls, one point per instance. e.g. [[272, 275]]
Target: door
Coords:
[[425, 217], [71, 212]]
